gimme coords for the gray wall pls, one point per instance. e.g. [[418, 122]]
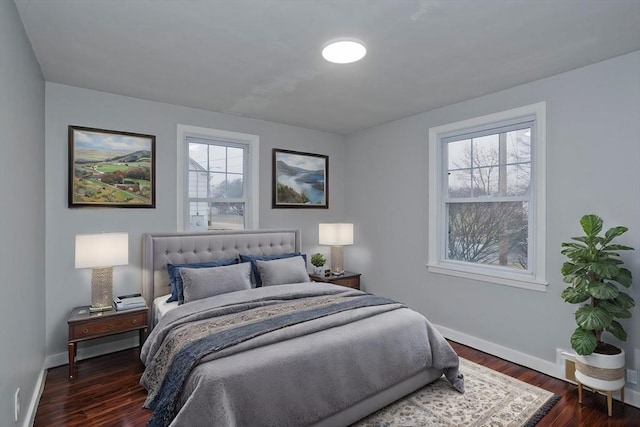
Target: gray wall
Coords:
[[22, 170], [66, 105], [593, 137]]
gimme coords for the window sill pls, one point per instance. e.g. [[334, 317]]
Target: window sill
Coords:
[[522, 283]]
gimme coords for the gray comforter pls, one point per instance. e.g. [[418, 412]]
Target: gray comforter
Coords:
[[292, 374]]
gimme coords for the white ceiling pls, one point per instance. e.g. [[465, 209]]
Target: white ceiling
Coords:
[[261, 58]]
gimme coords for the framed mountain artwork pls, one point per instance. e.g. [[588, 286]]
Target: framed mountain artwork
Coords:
[[111, 169]]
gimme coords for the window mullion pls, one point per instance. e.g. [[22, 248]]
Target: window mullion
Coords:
[[502, 164]]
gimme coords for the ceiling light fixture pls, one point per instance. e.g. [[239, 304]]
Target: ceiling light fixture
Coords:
[[344, 51]]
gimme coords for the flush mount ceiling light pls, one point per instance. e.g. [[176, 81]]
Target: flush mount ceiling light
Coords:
[[344, 51]]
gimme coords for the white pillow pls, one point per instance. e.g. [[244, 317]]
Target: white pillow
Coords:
[[283, 271], [201, 283]]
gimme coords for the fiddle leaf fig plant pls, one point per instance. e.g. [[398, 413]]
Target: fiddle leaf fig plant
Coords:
[[594, 273]]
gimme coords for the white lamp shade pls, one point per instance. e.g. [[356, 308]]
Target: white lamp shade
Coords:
[[102, 250], [335, 234]]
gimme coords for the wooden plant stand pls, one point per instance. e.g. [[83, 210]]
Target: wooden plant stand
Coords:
[[609, 394]]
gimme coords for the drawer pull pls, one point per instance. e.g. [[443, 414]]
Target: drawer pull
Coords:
[[134, 321], [85, 331], [110, 327]]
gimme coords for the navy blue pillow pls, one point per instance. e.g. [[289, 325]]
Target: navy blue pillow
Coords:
[[254, 265], [175, 279]]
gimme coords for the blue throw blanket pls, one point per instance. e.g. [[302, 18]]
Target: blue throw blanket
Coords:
[[189, 345]]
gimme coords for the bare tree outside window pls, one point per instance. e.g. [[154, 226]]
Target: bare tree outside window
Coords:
[[489, 177]]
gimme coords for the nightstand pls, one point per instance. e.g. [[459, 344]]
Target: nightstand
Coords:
[[84, 326], [348, 279]]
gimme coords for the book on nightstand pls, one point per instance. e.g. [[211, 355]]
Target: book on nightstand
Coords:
[[129, 302]]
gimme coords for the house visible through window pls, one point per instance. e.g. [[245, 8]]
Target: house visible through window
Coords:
[[485, 213], [216, 185], [219, 190]]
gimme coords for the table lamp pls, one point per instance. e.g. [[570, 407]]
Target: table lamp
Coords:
[[101, 252], [336, 235]]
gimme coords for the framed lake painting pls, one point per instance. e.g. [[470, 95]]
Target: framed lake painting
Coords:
[[111, 168], [300, 180]]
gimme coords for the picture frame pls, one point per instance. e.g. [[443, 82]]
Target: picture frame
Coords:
[[300, 180], [109, 168]]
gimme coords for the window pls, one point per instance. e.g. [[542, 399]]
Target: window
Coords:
[[217, 179], [487, 198]]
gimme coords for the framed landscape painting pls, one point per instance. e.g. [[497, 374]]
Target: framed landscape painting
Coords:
[[111, 168], [300, 180]]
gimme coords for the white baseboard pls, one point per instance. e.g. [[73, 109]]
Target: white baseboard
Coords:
[[632, 397], [30, 415]]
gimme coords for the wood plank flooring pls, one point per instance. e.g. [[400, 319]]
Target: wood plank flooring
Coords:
[[567, 412], [106, 392]]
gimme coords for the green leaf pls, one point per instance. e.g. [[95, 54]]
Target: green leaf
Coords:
[[581, 283], [570, 245], [569, 268], [574, 296], [625, 301], [576, 253], [605, 269], [589, 241], [591, 224], [617, 248], [622, 314], [614, 308], [583, 342], [584, 255], [592, 318], [603, 291], [611, 260], [617, 331], [624, 277], [614, 232], [582, 239]]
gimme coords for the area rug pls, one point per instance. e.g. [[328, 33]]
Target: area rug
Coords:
[[490, 399]]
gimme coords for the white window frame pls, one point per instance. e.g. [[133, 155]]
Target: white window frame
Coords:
[[534, 279], [252, 143]]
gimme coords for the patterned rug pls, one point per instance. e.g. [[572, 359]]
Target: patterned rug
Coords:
[[490, 399]]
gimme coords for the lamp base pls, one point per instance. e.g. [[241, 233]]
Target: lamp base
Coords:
[[101, 289], [337, 260]]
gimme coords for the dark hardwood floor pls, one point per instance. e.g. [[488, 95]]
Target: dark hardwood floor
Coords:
[[567, 412], [106, 392]]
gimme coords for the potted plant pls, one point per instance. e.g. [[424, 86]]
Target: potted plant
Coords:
[[594, 273], [318, 261]]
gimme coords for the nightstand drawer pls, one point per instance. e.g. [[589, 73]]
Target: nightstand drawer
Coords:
[[353, 282], [348, 279], [107, 326]]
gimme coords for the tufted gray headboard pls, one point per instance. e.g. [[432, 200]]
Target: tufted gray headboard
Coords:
[[160, 249]]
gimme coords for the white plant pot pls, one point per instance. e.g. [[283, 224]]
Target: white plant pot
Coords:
[[603, 372], [318, 270]]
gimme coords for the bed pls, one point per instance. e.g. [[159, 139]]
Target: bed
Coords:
[[341, 355]]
